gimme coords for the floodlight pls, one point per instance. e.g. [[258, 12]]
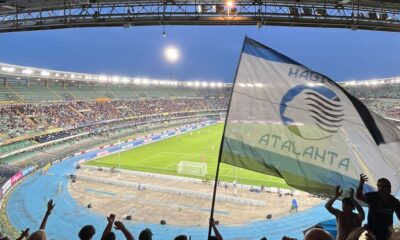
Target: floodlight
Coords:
[[102, 78], [213, 84], [220, 84], [73, 76], [229, 3], [115, 79], [125, 80], [7, 69], [171, 54], [27, 71], [196, 84], [145, 81], [45, 73]]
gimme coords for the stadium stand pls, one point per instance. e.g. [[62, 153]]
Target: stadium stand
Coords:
[[383, 96], [37, 118], [14, 146]]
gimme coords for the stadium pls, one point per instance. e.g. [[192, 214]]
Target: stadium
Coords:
[[144, 137], [157, 152]]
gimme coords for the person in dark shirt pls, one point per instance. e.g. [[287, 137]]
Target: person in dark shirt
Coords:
[[382, 204]]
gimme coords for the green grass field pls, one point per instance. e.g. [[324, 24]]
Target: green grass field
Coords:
[[163, 157]]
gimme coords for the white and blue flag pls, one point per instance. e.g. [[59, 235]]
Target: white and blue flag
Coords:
[[288, 121]]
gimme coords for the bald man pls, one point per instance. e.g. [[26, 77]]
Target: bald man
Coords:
[[318, 234]]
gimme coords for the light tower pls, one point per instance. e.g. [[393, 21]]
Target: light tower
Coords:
[[172, 55]]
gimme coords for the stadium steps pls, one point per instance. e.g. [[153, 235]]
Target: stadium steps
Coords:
[[101, 92], [19, 97], [76, 111], [54, 93], [111, 92], [69, 92], [29, 120], [26, 118]]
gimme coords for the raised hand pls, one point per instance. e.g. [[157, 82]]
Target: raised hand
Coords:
[[25, 233], [363, 178], [111, 218], [212, 223], [338, 192], [50, 206], [119, 225]]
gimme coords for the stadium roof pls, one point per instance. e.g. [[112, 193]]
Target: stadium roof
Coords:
[[25, 15], [9, 71]]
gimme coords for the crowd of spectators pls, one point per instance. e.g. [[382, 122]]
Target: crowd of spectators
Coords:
[[381, 207], [20, 119]]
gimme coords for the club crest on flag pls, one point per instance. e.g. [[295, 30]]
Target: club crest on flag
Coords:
[[325, 111]]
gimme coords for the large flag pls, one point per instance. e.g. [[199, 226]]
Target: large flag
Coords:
[[288, 121]]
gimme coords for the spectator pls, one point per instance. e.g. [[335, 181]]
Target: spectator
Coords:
[[381, 206], [87, 232], [181, 237], [41, 234], [120, 226], [217, 236], [107, 234], [317, 234], [361, 233], [146, 234], [346, 220], [24, 234]]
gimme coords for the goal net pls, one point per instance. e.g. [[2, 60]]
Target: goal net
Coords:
[[192, 168]]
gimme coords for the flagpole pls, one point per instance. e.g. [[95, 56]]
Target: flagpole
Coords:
[[222, 142]]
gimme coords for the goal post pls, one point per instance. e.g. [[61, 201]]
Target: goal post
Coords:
[[192, 168]]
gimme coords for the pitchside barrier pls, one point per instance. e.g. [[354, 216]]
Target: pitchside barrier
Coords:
[[196, 180], [188, 193], [146, 174]]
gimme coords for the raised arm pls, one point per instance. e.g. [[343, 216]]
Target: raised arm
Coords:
[[330, 202], [120, 226], [360, 210], [217, 234], [359, 194], [110, 222], [50, 207], [24, 234], [397, 209]]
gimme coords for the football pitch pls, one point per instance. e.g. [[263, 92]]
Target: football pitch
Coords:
[[200, 145]]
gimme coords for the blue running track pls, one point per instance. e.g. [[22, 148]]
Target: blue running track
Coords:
[[27, 203]]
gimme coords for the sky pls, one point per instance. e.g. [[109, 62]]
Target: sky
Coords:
[[207, 53]]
